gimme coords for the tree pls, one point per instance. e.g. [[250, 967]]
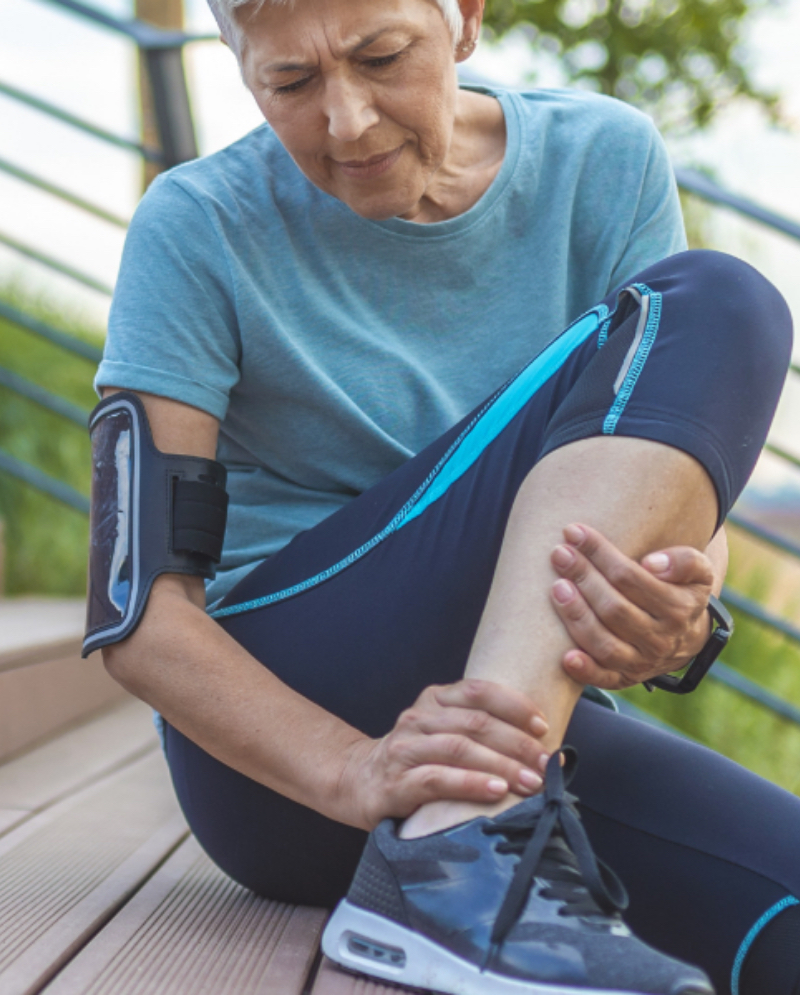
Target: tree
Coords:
[[681, 60]]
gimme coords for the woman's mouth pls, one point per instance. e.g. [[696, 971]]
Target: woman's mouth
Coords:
[[365, 169]]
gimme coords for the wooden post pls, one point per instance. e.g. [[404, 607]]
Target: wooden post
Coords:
[[163, 14]]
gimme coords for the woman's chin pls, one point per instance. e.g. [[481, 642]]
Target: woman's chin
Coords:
[[380, 205]]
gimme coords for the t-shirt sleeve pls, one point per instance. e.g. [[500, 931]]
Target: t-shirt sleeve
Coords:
[[657, 230], [173, 329]]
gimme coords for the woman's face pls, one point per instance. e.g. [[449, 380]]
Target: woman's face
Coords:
[[362, 93]]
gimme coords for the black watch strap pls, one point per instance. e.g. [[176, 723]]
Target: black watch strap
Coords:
[[687, 681]]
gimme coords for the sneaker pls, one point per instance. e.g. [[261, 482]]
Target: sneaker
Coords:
[[504, 906]]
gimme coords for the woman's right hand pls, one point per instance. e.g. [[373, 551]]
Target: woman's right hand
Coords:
[[471, 741]]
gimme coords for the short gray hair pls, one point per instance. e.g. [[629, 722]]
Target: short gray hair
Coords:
[[224, 12]]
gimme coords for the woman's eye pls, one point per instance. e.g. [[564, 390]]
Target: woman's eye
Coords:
[[291, 87], [383, 60]]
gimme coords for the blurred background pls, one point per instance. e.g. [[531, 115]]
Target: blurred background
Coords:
[[96, 99]]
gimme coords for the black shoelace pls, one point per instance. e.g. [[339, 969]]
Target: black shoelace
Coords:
[[554, 842]]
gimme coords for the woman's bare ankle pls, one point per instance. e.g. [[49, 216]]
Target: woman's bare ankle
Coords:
[[437, 816]]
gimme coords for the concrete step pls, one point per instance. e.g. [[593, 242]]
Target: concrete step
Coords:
[[44, 685]]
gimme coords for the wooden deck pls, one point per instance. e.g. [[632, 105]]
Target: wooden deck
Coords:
[[102, 888]]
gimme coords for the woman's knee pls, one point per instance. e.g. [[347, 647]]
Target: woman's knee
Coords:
[[731, 302]]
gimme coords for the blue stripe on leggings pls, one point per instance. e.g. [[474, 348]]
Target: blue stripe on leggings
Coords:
[[749, 940], [506, 406], [462, 454], [625, 391]]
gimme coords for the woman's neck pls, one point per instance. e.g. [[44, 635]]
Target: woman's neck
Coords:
[[473, 161]]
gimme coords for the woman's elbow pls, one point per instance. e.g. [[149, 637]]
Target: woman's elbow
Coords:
[[126, 663], [139, 661]]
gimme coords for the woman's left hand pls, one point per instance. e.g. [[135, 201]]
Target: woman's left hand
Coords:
[[631, 621]]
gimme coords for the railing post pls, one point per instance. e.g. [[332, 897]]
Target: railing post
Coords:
[[171, 107], [164, 96]]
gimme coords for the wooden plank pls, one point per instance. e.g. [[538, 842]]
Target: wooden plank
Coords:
[[40, 698], [36, 629], [192, 929], [333, 980], [66, 871], [9, 817], [76, 758]]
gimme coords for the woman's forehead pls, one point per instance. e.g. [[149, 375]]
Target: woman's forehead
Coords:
[[295, 32]]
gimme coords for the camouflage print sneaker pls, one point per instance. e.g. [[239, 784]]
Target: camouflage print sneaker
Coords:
[[514, 905]]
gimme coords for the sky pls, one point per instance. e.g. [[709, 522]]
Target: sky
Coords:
[[91, 72]]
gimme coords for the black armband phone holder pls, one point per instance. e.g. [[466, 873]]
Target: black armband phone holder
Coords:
[[151, 513], [686, 682]]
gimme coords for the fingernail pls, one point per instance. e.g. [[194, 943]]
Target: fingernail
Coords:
[[563, 556], [562, 592], [528, 779], [497, 787], [543, 761], [574, 534], [574, 661], [538, 726], [657, 561]]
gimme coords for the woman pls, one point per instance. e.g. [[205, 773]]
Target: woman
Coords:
[[326, 307]]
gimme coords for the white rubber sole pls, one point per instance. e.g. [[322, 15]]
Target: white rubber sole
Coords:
[[363, 941]]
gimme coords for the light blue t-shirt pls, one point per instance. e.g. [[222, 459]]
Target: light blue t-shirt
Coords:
[[333, 348]]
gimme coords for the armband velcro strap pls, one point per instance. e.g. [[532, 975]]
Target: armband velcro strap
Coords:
[[199, 511], [151, 513]]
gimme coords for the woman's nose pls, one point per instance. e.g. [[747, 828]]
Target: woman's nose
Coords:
[[349, 109]]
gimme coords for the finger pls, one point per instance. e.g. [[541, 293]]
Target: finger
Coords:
[[583, 669], [588, 633], [460, 751], [640, 586], [485, 729], [680, 565], [616, 612], [437, 782], [499, 700]]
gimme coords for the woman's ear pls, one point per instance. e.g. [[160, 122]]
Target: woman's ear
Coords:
[[472, 13]]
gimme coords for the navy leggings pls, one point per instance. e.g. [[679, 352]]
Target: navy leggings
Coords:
[[383, 598]]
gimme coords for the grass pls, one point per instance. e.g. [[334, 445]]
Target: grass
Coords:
[[46, 542]]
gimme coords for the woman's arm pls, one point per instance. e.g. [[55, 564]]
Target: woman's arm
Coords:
[[183, 664], [188, 668], [470, 740]]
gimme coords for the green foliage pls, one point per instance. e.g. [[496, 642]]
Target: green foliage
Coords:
[[723, 719], [46, 542], [681, 60]]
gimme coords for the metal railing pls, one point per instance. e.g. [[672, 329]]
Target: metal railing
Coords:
[[162, 52], [163, 57], [64, 340], [702, 186]]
